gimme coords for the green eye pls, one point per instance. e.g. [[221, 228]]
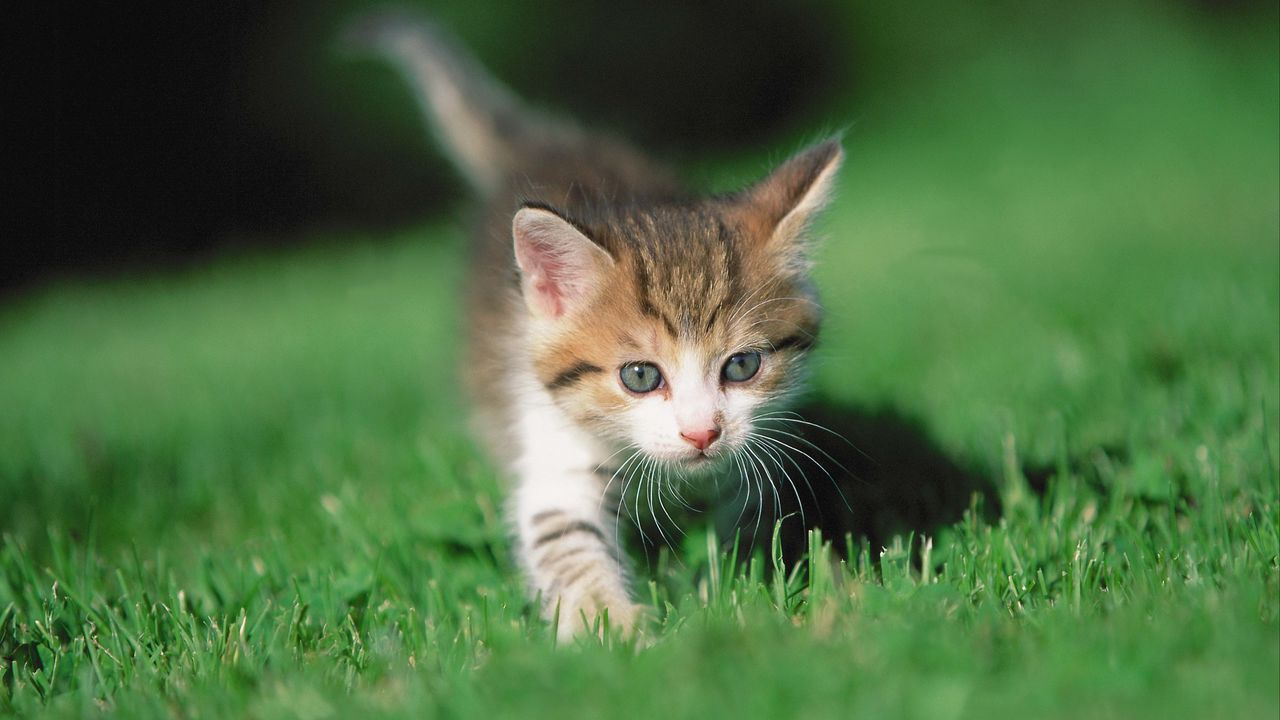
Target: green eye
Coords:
[[641, 377], [741, 367]]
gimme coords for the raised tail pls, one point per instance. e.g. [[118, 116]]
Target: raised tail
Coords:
[[481, 125]]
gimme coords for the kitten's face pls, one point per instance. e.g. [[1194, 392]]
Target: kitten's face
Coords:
[[690, 342], [671, 329]]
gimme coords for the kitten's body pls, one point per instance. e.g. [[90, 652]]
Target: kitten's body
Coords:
[[615, 266]]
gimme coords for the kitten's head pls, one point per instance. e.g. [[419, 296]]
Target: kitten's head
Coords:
[[671, 329]]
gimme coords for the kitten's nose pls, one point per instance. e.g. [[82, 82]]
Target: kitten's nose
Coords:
[[701, 439]]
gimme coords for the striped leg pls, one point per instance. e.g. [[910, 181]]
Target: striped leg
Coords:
[[568, 550]]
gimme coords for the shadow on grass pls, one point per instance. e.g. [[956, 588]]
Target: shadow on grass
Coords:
[[886, 477]]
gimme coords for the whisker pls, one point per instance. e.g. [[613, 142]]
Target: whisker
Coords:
[[649, 481], [740, 311], [834, 483], [767, 301], [604, 494], [622, 499], [678, 497], [791, 416], [675, 526], [615, 453], [806, 441], [646, 482], [634, 512], [803, 476], [774, 455], [777, 500], [760, 505], [744, 488]]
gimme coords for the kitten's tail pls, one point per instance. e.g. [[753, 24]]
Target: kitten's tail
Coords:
[[481, 125]]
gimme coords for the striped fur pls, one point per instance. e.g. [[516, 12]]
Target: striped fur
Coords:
[[592, 257]]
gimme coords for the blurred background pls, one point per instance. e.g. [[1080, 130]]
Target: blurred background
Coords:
[[229, 332], [162, 132], [1055, 248]]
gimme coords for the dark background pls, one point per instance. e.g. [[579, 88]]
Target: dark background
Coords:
[[156, 134]]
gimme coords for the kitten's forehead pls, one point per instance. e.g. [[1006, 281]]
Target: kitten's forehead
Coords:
[[687, 268], [697, 277]]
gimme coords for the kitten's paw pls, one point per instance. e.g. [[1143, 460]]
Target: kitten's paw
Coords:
[[623, 619]]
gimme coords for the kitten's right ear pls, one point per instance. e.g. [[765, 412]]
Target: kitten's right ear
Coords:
[[560, 268], [784, 204]]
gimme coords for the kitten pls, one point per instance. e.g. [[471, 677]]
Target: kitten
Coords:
[[622, 329]]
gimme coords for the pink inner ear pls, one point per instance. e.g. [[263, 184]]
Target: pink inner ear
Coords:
[[558, 262], [547, 289], [548, 275]]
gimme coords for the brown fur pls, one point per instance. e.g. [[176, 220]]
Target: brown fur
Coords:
[[592, 258], [688, 271]]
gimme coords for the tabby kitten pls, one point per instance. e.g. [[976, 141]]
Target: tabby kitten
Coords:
[[623, 330]]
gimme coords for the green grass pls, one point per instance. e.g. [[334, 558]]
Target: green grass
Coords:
[[247, 489]]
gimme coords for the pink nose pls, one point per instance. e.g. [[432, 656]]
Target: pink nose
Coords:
[[701, 439]]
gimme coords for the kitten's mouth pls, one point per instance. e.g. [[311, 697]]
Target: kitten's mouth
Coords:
[[702, 461], [693, 462]]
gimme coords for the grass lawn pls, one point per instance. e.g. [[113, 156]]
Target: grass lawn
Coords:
[[247, 489]]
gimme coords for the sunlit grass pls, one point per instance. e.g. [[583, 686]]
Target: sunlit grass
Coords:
[[248, 489]]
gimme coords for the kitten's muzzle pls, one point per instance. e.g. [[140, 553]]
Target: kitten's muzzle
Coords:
[[701, 439]]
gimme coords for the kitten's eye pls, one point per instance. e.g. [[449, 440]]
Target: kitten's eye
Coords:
[[641, 377], [741, 367]]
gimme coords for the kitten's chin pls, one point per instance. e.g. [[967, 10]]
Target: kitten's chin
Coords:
[[698, 463]]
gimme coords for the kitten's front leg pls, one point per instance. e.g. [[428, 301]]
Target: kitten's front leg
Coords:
[[568, 549]]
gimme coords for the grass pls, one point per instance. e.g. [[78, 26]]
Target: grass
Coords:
[[247, 489]]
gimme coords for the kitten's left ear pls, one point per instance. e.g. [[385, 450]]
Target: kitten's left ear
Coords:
[[785, 203]]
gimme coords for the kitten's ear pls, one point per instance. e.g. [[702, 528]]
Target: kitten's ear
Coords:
[[785, 203], [560, 268]]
